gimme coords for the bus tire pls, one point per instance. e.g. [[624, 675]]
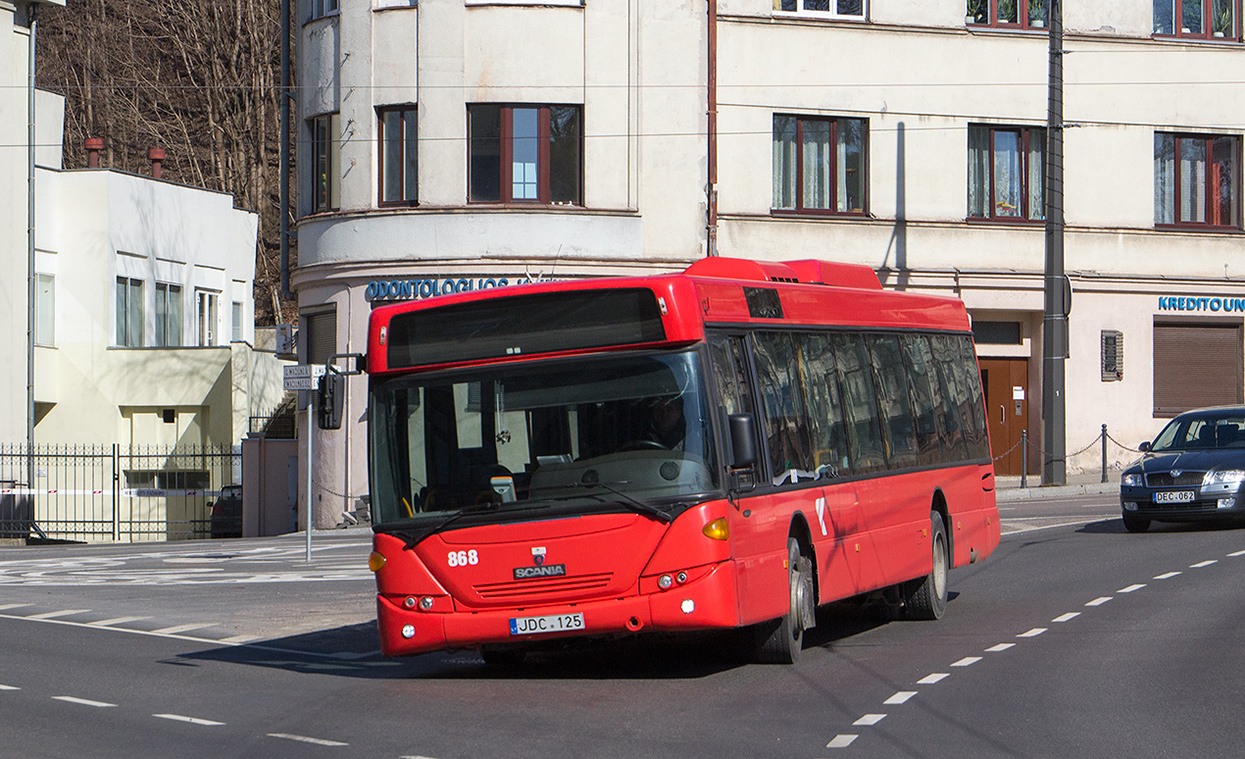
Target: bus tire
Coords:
[[926, 598], [779, 641], [503, 657]]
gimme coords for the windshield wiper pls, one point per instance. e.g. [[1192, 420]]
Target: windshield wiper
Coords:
[[413, 537], [630, 502]]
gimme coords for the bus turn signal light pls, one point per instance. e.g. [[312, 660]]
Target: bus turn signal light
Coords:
[[375, 561], [718, 529]]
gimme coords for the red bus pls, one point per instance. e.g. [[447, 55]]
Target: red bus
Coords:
[[726, 447]]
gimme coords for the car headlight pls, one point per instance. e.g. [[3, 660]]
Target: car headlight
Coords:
[[1224, 477], [1131, 480]]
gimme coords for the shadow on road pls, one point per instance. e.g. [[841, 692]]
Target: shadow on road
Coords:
[[645, 657]]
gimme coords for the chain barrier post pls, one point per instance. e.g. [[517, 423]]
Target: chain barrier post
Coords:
[[1104, 453], [1024, 458]]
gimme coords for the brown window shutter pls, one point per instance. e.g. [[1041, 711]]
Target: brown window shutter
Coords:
[[1196, 365]]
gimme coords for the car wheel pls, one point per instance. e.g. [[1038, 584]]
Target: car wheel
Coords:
[[1136, 524]]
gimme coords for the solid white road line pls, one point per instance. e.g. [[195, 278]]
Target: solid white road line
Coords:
[[305, 739], [82, 701], [191, 720]]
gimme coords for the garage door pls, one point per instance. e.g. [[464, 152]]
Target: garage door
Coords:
[[1196, 365]]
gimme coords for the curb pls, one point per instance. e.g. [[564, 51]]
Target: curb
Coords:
[[1056, 491]]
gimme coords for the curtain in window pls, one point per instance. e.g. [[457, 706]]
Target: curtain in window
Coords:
[[817, 164], [1192, 180], [1223, 182], [851, 165], [1007, 174], [1037, 173], [784, 162], [1164, 179], [979, 172]]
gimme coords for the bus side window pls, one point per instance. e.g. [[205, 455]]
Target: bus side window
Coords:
[[859, 403], [893, 400], [978, 440], [782, 393], [926, 399], [729, 375], [954, 395], [825, 406]]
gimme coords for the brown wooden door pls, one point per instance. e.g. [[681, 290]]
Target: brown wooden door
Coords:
[[1005, 381]]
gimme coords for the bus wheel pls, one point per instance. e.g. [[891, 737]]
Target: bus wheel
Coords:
[[780, 641], [926, 598]]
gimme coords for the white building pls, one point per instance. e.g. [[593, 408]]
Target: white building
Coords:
[[455, 142], [144, 321]]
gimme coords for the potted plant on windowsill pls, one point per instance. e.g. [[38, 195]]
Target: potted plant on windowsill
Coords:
[[1222, 23], [976, 12], [1037, 13]]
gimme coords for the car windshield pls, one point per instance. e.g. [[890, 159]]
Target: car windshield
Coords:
[[1200, 433], [616, 432]]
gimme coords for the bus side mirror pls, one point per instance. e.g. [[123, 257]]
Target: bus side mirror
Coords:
[[743, 440], [1144, 447]]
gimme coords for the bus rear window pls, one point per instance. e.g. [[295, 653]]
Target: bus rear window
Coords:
[[524, 324]]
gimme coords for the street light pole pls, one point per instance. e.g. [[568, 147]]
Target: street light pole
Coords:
[[1055, 318]]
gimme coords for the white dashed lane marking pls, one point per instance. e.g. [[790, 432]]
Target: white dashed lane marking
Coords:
[[1099, 601], [190, 720], [967, 661], [1067, 617], [869, 720], [83, 702], [55, 614], [1032, 633], [305, 739], [1000, 647], [9, 687], [934, 678], [1131, 588], [1167, 575], [900, 698], [842, 741], [1202, 564]]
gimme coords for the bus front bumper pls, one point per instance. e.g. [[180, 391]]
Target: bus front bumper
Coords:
[[706, 603]]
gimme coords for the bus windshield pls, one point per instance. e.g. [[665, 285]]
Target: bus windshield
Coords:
[[592, 434]]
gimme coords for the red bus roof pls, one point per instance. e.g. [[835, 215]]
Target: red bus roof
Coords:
[[731, 291]]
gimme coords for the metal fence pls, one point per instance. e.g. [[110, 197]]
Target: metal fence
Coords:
[[113, 493]]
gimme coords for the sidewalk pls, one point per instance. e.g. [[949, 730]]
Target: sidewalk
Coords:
[[1088, 483]]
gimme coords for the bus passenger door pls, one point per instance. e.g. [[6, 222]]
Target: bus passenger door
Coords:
[[839, 542]]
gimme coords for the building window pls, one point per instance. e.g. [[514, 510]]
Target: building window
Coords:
[[45, 310], [819, 164], [208, 317], [1006, 167], [1016, 14], [320, 340], [238, 333], [168, 315], [831, 8], [322, 8], [326, 162], [526, 154], [1209, 19], [1196, 365], [1196, 180], [129, 312], [1112, 355], [396, 134]]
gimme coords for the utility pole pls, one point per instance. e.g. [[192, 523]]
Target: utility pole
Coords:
[[1055, 318]]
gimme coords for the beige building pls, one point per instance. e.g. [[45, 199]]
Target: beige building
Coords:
[[143, 319], [457, 143]]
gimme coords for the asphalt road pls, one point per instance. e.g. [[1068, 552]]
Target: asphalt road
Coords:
[[1075, 638]]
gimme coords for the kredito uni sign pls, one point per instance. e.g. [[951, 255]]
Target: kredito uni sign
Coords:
[[417, 289], [1199, 304]]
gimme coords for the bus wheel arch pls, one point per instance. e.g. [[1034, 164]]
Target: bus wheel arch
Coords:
[[780, 641], [926, 597], [938, 503]]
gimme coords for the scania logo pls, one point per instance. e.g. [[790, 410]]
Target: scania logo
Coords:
[[531, 573], [538, 555]]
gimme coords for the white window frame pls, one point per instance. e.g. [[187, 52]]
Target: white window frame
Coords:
[[129, 312], [168, 321], [45, 310], [207, 317], [801, 10]]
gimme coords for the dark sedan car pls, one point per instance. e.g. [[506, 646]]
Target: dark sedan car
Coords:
[[227, 513], [1191, 472]]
